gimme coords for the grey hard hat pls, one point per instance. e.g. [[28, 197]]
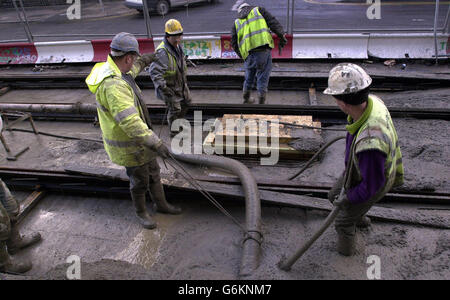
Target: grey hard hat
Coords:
[[123, 43]]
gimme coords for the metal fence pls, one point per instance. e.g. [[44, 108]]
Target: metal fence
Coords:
[[291, 13]]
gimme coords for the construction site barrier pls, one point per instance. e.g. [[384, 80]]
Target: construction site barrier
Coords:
[[299, 46]]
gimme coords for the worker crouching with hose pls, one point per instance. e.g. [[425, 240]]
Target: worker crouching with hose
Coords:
[[372, 155], [127, 132]]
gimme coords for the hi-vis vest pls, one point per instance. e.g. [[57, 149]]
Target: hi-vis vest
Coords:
[[170, 76], [253, 32], [120, 116], [378, 133]]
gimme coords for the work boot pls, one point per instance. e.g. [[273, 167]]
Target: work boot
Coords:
[[12, 265], [246, 96], [141, 211], [364, 222], [262, 98], [158, 196], [346, 244], [17, 242]]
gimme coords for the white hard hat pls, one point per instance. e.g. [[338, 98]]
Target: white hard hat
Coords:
[[242, 6], [347, 78]]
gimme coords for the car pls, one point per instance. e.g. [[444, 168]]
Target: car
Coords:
[[162, 7]]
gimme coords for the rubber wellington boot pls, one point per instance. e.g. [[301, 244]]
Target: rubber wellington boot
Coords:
[[364, 222], [141, 211], [157, 193], [11, 265], [346, 244], [262, 98], [246, 96], [17, 242]]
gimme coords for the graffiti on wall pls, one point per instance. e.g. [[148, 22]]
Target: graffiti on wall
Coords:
[[448, 46], [227, 50], [197, 48], [17, 54]]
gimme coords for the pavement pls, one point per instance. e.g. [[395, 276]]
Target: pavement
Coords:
[[58, 13]]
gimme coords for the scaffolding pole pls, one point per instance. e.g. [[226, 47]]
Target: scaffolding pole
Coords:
[[147, 19], [23, 19], [436, 15]]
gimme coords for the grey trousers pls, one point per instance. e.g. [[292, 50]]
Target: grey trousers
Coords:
[[142, 176], [350, 214]]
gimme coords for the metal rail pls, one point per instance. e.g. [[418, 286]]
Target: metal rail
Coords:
[[62, 181], [327, 114]]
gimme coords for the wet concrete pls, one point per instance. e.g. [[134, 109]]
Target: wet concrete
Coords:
[[202, 243]]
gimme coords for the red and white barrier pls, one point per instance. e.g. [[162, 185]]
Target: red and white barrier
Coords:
[[301, 46]]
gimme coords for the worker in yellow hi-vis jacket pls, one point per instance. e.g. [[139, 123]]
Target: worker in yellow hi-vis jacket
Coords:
[[125, 123]]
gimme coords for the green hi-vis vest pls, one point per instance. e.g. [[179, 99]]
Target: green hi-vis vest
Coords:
[[171, 76], [120, 116], [378, 133], [253, 32]]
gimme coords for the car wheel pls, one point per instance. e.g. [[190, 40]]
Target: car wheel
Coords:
[[162, 7]]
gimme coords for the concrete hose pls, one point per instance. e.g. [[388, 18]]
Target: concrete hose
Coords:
[[252, 242]]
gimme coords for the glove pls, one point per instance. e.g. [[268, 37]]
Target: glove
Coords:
[[167, 91], [148, 58], [336, 189], [283, 41], [341, 201], [162, 151]]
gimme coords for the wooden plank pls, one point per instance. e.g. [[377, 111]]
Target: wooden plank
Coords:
[[290, 200], [28, 204]]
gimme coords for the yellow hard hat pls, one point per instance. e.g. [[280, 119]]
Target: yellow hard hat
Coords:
[[173, 27]]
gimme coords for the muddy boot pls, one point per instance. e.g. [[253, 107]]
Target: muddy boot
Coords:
[[346, 244], [158, 196], [141, 211], [262, 98], [246, 96], [364, 222], [17, 242], [11, 265]]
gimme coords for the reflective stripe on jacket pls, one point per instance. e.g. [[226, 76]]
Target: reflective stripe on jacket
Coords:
[[252, 32], [378, 133], [120, 115]]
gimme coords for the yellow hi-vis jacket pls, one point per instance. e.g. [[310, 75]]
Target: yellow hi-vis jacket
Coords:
[[252, 32], [121, 118], [377, 132]]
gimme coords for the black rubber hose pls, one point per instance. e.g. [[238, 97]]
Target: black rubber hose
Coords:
[[252, 243], [316, 155]]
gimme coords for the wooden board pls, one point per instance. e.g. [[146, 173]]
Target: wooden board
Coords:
[[241, 134]]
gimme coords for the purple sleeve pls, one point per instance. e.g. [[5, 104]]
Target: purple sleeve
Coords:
[[371, 165]]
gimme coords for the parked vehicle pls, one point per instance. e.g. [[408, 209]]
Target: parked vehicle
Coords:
[[162, 7]]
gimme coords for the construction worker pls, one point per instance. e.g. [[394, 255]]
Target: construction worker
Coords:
[[128, 137], [169, 74], [252, 41], [10, 239], [373, 158]]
